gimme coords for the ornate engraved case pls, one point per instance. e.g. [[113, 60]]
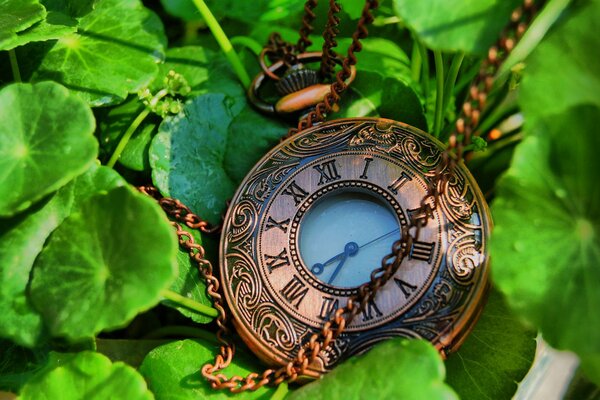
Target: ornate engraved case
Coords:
[[277, 300]]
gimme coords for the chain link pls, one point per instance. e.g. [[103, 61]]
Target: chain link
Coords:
[[461, 136]]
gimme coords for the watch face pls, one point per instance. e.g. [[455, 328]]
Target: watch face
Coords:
[[340, 251], [316, 216]]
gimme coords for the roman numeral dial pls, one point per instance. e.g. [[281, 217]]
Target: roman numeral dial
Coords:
[[327, 172], [329, 222]]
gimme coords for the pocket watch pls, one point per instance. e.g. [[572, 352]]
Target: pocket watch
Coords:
[[316, 215]]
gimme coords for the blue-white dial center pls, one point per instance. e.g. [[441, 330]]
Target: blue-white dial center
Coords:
[[344, 236]]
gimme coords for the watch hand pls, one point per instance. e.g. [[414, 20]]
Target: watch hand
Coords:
[[350, 250], [380, 237], [318, 267]]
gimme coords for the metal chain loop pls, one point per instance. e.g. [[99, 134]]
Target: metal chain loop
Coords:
[[329, 34], [464, 129]]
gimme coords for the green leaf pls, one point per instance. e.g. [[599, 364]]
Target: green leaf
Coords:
[[42, 125], [395, 369], [73, 9], [202, 155], [85, 375], [106, 261], [114, 52], [54, 26], [59, 22], [249, 12], [495, 357], [22, 239], [205, 71], [571, 49], [471, 26], [189, 282], [373, 95], [173, 371], [18, 15], [19, 365], [131, 352], [546, 244]]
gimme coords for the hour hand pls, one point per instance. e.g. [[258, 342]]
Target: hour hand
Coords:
[[318, 268]]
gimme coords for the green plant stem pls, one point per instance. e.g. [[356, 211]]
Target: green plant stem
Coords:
[[439, 95], [133, 127], [189, 303], [14, 65], [416, 63], [535, 33], [181, 331], [467, 77], [281, 392], [451, 79], [251, 44], [125, 138], [223, 42], [425, 76]]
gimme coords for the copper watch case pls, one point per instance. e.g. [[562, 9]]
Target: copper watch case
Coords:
[[277, 304]]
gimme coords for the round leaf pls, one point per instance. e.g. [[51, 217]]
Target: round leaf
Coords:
[[173, 371], [471, 26], [202, 155], [22, 239], [546, 244], [42, 125], [109, 260], [395, 369], [17, 15], [495, 357], [114, 52], [60, 21], [85, 375], [571, 49]]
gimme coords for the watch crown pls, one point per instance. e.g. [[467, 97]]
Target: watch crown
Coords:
[[295, 79]]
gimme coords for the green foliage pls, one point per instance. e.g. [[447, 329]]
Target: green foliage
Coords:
[[569, 49], [189, 283], [212, 142], [552, 258], [469, 26], [33, 136], [16, 16], [83, 255], [21, 241], [495, 357], [85, 375], [173, 371], [417, 373], [74, 279], [130, 34]]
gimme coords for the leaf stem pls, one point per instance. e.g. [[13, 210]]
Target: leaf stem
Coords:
[[451, 79], [181, 331], [133, 127], [189, 303], [425, 76], [223, 42], [14, 65], [125, 138], [535, 33], [281, 392], [249, 43], [416, 63], [439, 95]]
